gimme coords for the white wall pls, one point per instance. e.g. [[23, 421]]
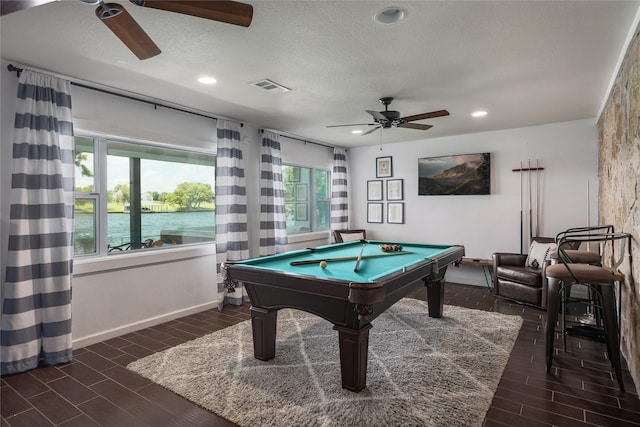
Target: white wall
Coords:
[[567, 151], [124, 293]]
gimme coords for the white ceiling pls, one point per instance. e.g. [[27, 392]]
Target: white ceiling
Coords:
[[525, 62]]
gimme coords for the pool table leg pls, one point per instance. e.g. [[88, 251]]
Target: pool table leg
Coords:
[[354, 349], [263, 324], [435, 295]]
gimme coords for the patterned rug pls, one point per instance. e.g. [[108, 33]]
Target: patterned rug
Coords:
[[422, 371]]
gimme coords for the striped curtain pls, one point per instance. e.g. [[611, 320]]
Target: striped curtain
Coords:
[[273, 222], [339, 191], [36, 309], [232, 238]]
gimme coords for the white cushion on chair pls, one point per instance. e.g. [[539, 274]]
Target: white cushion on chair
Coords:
[[539, 253], [350, 237]]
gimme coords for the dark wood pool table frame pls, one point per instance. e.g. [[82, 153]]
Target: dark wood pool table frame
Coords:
[[349, 306]]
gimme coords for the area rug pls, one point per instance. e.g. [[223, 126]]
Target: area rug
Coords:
[[422, 371]]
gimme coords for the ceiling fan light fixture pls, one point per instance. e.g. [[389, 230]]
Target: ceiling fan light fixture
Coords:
[[390, 15], [357, 131], [479, 114]]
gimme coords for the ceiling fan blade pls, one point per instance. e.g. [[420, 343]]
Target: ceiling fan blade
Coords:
[[355, 124], [377, 115], [371, 131], [127, 29], [431, 115], [10, 6], [231, 12], [415, 126]]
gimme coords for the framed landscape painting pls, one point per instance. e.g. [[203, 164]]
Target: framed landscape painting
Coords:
[[465, 174]]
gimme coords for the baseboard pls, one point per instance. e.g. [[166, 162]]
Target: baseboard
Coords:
[[146, 323]]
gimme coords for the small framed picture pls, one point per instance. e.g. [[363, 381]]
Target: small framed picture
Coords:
[[301, 212], [301, 192], [383, 167], [374, 190], [395, 213], [395, 190], [374, 212]]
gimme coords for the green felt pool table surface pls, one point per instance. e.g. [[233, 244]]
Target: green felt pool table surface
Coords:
[[370, 269]]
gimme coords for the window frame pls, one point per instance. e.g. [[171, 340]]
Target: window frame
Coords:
[[311, 199], [100, 145]]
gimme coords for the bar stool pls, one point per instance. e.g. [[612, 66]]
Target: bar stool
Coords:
[[579, 255], [600, 280], [582, 256]]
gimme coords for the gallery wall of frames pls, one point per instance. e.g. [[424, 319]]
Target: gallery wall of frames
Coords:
[[385, 191]]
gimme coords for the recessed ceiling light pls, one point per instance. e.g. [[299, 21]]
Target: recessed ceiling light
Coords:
[[390, 15], [207, 80], [479, 113], [356, 131]]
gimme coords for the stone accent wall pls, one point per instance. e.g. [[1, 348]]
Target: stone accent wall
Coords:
[[619, 200]]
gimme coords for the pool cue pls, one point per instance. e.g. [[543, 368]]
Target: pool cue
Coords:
[[521, 214], [537, 198], [347, 258], [364, 245], [530, 218], [588, 214]]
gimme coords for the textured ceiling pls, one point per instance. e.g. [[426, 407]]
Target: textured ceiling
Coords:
[[526, 63]]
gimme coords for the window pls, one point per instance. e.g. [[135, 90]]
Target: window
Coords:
[[132, 196], [86, 198], [307, 199]]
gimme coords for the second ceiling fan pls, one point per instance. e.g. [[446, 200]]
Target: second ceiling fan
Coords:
[[388, 118]]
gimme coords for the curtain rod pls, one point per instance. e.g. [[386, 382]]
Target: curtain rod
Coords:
[[300, 139], [19, 70]]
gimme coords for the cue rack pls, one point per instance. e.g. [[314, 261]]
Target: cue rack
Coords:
[[529, 197]]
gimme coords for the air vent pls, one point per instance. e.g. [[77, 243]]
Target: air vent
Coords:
[[271, 86]]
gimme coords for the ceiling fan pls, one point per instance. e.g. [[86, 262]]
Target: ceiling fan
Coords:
[[388, 118], [132, 35]]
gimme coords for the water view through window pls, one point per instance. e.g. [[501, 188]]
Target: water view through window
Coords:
[[154, 196]]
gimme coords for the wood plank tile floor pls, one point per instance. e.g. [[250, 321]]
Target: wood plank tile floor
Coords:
[[97, 390]]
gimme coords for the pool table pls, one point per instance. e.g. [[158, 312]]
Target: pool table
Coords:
[[349, 299]]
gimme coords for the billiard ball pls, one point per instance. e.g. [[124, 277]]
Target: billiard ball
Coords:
[[323, 264], [387, 247]]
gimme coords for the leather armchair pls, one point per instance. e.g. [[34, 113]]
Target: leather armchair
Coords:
[[514, 280]]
